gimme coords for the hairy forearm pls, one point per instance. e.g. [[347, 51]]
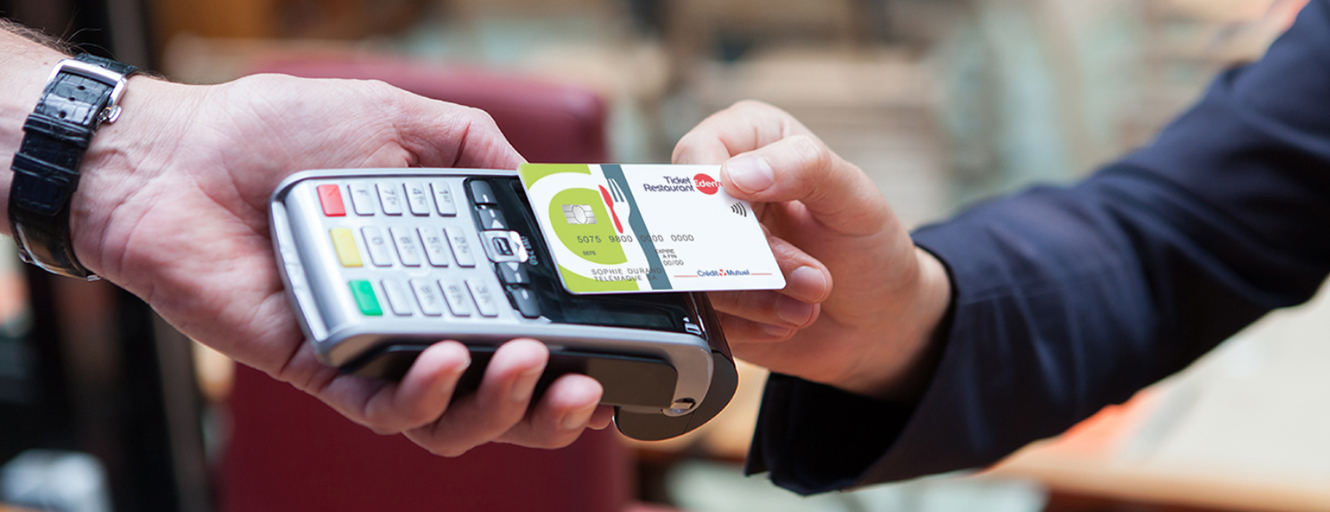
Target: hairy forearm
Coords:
[[35, 36], [27, 63]]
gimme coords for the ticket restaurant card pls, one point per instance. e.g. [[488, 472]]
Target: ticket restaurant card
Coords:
[[648, 228]]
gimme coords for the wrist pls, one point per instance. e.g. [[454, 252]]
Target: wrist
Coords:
[[931, 314], [122, 159], [901, 365]]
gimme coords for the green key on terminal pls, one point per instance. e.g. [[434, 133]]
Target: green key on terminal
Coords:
[[364, 293]]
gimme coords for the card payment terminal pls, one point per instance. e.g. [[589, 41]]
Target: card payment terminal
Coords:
[[381, 263]]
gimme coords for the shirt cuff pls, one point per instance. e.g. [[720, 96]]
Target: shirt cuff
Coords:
[[814, 438]]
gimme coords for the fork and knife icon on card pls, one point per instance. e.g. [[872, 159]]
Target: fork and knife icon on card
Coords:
[[617, 202]]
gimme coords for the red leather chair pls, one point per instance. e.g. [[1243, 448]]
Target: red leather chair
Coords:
[[289, 452]]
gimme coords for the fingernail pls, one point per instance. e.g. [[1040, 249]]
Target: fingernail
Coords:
[[574, 420], [525, 385], [750, 173], [807, 282], [776, 331], [450, 385], [793, 311]]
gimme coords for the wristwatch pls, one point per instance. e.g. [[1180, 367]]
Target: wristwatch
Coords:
[[81, 94]]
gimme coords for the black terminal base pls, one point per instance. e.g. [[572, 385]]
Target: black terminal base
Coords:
[[627, 380], [657, 427]]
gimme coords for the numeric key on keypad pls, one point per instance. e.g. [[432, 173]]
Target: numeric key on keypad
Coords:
[[443, 198], [457, 298], [362, 198], [417, 198], [407, 248], [461, 247], [397, 298], [377, 245], [390, 194], [485, 302], [436, 248], [427, 295]]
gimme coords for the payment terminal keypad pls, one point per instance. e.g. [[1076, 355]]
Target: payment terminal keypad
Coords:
[[406, 249]]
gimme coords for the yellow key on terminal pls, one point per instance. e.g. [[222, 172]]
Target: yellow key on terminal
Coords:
[[345, 243]]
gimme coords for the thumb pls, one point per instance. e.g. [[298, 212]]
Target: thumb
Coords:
[[442, 134], [801, 168]]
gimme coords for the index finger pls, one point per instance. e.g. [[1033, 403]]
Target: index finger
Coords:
[[768, 156], [745, 126]]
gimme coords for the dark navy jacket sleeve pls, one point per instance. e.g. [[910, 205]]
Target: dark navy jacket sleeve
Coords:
[[1069, 299]]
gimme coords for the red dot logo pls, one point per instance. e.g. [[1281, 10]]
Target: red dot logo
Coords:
[[705, 184]]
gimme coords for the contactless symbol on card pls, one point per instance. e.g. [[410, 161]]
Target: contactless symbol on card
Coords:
[[643, 228]]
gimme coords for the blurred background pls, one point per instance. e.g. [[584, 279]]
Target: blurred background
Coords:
[[942, 102]]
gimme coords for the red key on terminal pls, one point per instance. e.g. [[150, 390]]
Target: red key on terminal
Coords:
[[330, 196]]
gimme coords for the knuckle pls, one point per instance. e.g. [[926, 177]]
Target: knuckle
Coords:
[[817, 163], [421, 416], [504, 422], [379, 421], [812, 319], [478, 117], [265, 80], [750, 105], [685, 144], [375, 92], [390, 100], [812, 152], [492, 423], [780, 336], [381, 89]]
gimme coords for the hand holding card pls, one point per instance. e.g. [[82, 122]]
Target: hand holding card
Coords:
[[648, 228]]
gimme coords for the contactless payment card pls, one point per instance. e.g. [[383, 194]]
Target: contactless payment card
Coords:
[[648, 228]]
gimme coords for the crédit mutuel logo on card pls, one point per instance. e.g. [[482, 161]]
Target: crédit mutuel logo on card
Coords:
[[701, 183], [723, 273]]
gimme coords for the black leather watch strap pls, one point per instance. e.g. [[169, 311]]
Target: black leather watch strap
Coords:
[[79, 96]]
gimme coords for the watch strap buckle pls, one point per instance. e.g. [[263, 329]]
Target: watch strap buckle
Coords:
[[96, 71]]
